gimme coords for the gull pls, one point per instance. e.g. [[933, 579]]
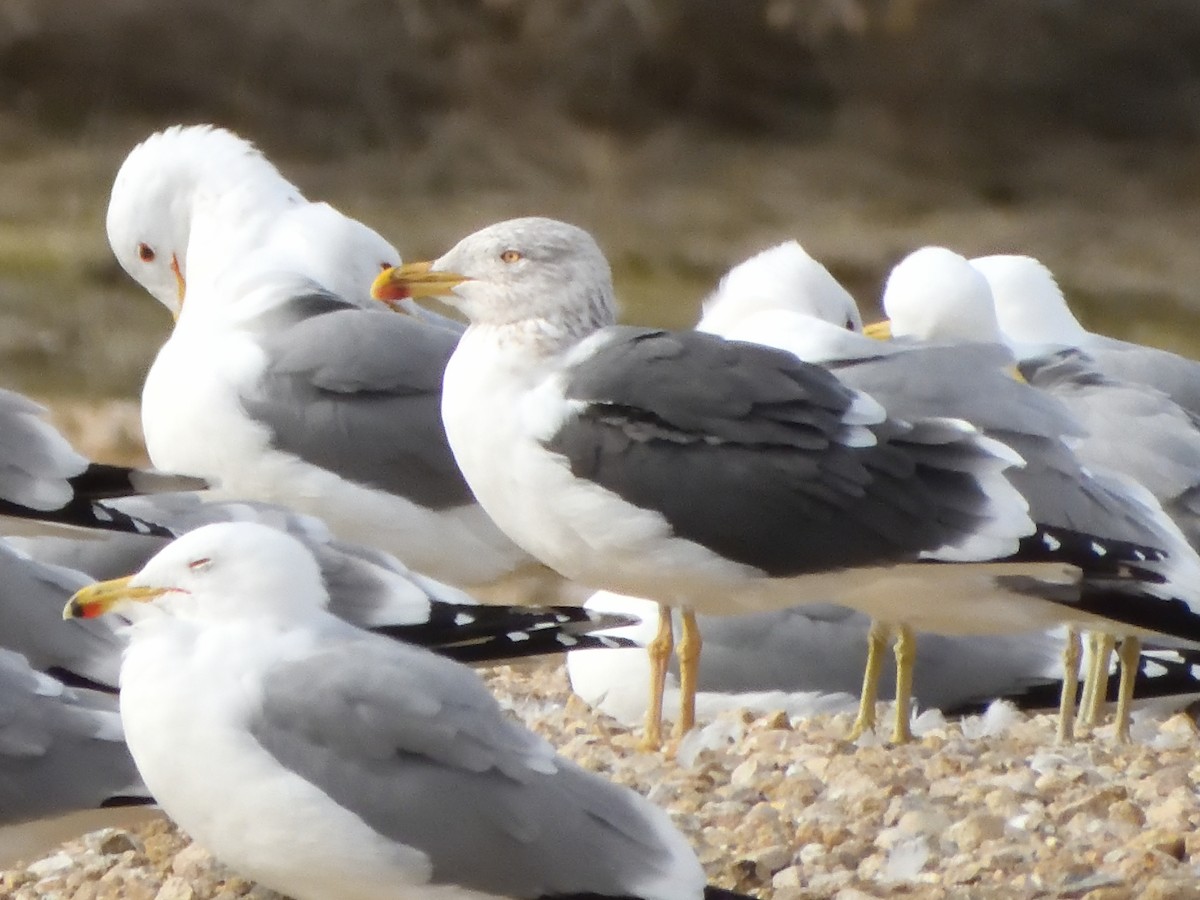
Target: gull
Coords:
[[710, 474], [935, 294], [369, 768], [274, 383], [784, 298]]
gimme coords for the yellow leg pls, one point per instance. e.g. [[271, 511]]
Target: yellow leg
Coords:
[[1093, 715], [906, 659], [659, 651], [1092, 639], [1129, 655], [876, 645], [688, 651], [1072, 650]]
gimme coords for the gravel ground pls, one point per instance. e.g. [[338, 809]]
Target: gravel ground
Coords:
[[985, 808]]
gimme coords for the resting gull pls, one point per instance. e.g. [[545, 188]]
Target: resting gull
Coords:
[[274, 383], [935, 294], [784, 298], [710, 474], [368, 768]]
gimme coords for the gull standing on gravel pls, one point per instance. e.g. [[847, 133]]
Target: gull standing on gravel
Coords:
[[703, 473], [785, 298], [367, 768], [935, 294], [274, 383]]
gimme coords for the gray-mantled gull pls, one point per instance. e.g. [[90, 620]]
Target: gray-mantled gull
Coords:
[[61, 748], [274, 383], [935, 294], [786, 299], [368, 768], [709, 474]]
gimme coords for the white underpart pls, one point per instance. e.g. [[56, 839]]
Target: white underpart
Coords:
[[185, 701], [194, 422]]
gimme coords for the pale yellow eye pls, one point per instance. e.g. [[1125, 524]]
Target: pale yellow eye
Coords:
[[510, 256]]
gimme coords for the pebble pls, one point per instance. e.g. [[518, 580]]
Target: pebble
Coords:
[[791, 810]]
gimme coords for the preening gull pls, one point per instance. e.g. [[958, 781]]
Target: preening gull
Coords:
[[61, 748], [784, 298], [935, 294], [367, 768], [710, 474], [274, 383]]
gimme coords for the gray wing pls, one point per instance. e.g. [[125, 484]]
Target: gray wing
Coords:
[[61, 750], [35, 460], [767, 460], [418, 748], [1131, 428], [970, 382], [1176, 376], [358, 392], [32, 597]]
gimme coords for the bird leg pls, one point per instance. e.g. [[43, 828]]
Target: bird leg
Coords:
[[1089, 677], [1099, 675], [1072, 650], [688, 651], [659, 652], [1129, 655], [877, 638], [906, 658]]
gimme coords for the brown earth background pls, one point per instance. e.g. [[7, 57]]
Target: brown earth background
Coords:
[[686, 134]]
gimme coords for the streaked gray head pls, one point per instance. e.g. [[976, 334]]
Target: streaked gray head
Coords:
[[532, 270], [234, 569], [150, 208], [935, 294]]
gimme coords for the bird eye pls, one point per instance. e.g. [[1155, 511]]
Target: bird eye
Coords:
[[850, 325], [145, 253], [511, 256], [199, 565], [384, 266]]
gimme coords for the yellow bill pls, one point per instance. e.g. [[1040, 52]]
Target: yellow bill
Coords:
[[99, 598]]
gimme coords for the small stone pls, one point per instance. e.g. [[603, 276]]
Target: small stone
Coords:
[[50, 866], [791, 877], [114, 841], [975, 829], [175, 888]]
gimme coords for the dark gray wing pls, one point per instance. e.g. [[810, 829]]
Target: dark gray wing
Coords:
[[972, 382], [358, 392], [762, 458], [1131, 428], [418, 748], [61, 750]]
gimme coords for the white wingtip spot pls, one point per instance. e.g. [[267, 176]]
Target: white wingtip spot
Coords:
[[463, 618], [1051, 542], [517, 636], [566, 640], [1099, 549]]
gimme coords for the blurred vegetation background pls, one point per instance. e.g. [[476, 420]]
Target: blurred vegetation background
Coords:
[[686, 134]]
